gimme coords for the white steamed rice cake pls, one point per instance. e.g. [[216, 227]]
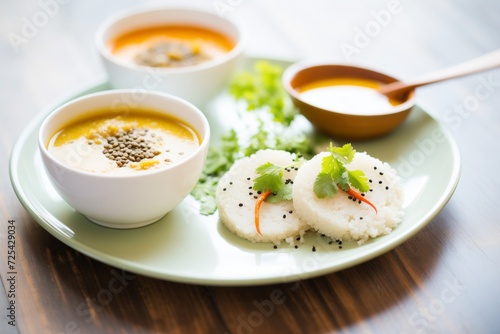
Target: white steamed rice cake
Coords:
[[342, 217], [236, 201]]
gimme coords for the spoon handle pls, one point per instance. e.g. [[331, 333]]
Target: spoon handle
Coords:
[[481, 63]]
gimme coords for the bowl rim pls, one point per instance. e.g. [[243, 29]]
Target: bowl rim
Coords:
[[205, 140], [293, 70], [100, 42]]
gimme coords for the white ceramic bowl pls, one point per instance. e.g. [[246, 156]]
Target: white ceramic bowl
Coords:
[[198, 83], [125, 201]]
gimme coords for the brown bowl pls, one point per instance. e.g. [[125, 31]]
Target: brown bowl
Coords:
[[336, 123]]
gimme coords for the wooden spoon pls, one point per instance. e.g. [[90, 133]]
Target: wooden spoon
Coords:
[[482, 63]]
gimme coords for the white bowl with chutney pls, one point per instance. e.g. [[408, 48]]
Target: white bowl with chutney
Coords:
[[184, 52], [124, 164]]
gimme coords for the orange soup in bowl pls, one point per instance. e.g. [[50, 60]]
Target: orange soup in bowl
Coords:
[[122, 142], [170, 46]]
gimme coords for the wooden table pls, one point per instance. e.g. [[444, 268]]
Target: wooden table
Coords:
[[443, 280]]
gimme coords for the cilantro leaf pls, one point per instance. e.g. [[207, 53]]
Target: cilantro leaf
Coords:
[[283, 194], [204, 192], [230, 145], [297, 143], [218, 161], [328, 164], [333, 167], [324, 186], [258, 141], [270, 178], [344, 154], [343, 180], [335, 175], [262, 89], [358, 180]]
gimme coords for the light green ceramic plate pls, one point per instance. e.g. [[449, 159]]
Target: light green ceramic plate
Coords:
[[187, 247]]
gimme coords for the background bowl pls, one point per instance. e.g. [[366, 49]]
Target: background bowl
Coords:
[[336, 123], [198, 83], [125, 201]]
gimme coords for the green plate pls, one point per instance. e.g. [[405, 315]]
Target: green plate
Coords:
[[187, 247]]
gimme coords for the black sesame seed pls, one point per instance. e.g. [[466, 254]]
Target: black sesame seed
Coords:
[[256, 197], [330, 242], [379, 182], [360, 218], [296, 246], [375, 167], [290, 212], [298, 238], [381, 173], [340, 247], [314, 249], [223, 189], [230, 183], [250, 193], [359, 201], [370, 180], [250, 187], [248, 178], [386, 188], [275, 247], [284, 216], [350, 197], [240, 205]]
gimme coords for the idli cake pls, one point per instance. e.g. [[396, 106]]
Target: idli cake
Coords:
[[350, 215], [241, 206]]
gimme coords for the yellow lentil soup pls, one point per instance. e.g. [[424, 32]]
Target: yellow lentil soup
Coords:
[[170, 46], [123, 141]]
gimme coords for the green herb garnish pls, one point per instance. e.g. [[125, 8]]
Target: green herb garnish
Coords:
[[270, 182], [219, 160], [259, 89], [262, 89], [270, 177], [334, 175]]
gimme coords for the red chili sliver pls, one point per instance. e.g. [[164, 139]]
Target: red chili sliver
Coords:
[[262, 198], [359, 197]]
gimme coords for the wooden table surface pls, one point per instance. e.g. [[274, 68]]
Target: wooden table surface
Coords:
[[445, 279]]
